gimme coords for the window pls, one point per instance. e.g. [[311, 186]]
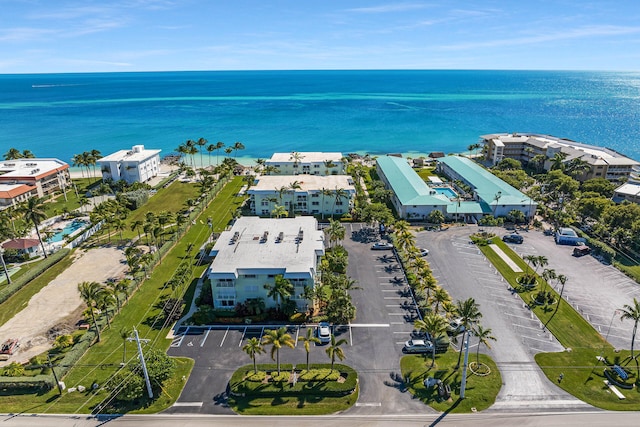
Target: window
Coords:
[[264, 203], [252, 289], [339, 203], [225, 284], [271, 276], [315, 203], [316, 166], [315, 195], [249, 276], [338, 211], [265, 211]]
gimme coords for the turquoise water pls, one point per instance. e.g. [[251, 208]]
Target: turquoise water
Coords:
[[446, 191], [349, 111], [68, 229]]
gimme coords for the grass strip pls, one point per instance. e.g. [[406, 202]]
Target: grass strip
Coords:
[[480, 391], [143, 311]]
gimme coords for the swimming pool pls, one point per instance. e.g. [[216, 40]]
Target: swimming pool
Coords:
[[446, 191], [67, 230]]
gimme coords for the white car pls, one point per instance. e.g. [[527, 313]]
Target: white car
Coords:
[[423, 251], [418, 346], [382, 246], [324, 332]]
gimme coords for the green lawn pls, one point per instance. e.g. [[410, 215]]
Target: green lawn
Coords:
[[425, 173], [143, 312], [581, 377], [285, 398], [480, 391]]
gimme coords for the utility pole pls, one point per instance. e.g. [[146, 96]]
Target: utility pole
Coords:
[[463, 384], [55, 377], [142, 362]]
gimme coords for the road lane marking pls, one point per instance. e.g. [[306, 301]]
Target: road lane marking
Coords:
[[369, 325]]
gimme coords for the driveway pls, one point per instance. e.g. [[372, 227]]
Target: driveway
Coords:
[[461, 268]]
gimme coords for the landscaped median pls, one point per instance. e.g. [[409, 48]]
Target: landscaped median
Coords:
[[294, 391], [578, 370], [480, 391]]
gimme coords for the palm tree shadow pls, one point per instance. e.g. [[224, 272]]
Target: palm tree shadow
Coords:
[[398, 382], [445, 413]]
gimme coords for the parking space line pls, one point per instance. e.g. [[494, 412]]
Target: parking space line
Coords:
[[297, 335], [394, 297], [538, 339], [350, 336], [183, 335], [205, 337], [398, 323], [242, 337], [224, 337]]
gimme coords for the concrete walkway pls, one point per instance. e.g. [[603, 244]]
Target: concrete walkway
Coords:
[[506, 258]]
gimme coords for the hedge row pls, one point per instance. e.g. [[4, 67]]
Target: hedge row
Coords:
[[43, 266], [27, 384], [249, 387]]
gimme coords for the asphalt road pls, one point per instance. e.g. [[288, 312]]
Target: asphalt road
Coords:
[[483, 419]]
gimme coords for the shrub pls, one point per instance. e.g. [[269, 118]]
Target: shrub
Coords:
[[43, 266], [257, 377]]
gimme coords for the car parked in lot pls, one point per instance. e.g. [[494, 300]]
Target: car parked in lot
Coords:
[[512, 238], [441, 342], [323, 332], [581, 250], [455, 327], [382, 246], [417, 346]]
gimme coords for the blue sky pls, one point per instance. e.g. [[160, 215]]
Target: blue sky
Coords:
[[43, 36]]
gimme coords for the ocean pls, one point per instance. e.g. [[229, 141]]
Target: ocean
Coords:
[[411, 112]]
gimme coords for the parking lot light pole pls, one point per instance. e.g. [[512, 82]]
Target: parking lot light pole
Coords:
[[463, 384]]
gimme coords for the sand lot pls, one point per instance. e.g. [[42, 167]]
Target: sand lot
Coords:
[[60, 300]]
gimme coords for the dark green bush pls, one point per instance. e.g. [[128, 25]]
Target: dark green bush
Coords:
[[43, 266]]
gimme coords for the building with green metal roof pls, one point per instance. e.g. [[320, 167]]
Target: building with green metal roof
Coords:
[[415, 200], [486, 187]]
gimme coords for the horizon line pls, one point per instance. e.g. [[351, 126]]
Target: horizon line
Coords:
[[328, 70]]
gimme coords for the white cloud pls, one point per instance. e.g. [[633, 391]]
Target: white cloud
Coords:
[[545, 37], [391, 7]]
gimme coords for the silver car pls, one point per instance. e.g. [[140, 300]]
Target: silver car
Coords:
[[418, 346], [324, 332]]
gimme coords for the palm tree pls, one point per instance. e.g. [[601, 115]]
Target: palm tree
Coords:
[[310, 338], [338, 194], [125, 333], [135, 225], [328, 164], [295, 185], [296, 157], [280, 290], [13, 154], [91, 293], [277, 339], [95, 156], [469, 312], [253, 347], [119, 226], [334, 350], [434, 325], [483, 335], [439, 298], [541, 261], [279, 211], [548, 274], [237, 146], [324, 192], [218, 146], [632, 312], [201, 142], [33, 213], [335, 231], [557, 161], [106, 301], [28, 154]]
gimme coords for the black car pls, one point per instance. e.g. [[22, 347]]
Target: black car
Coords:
[[512, 238]]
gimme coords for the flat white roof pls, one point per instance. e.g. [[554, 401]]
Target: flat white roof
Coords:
[[629, 189], [134, 155], [307, 182], [435, 179], [307, 157], [290, 256], [29, 167]]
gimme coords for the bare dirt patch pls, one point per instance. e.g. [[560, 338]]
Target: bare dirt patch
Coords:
[[58, 303]]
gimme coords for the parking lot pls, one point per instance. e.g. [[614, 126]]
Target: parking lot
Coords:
[[594, 289], [384, 321]]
